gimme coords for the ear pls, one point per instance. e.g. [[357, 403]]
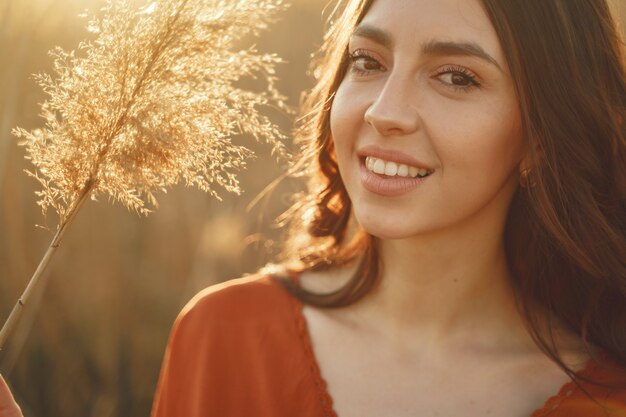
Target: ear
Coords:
[[528, 172], [524, 164], [524, 173]]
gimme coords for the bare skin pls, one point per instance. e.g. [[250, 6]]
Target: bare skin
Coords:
[[8, 407], [374, 369]]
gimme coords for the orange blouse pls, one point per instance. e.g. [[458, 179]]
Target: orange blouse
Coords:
[[242, 348]]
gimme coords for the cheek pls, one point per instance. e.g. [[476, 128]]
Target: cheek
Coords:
[[506, 146], [487, 142]]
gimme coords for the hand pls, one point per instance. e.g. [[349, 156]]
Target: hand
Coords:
[[8, 406]]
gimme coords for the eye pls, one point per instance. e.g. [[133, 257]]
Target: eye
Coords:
[[363, 63], [458, 78]]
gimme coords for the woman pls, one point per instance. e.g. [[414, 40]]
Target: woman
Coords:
[[461, 249]]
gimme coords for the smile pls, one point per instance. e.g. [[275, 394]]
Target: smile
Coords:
[[392, 169], [398, 184]]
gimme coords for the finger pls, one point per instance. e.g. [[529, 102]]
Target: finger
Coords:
[[8, 406]]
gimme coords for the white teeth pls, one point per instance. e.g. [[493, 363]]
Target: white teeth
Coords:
[[379, 166], [391, 169]]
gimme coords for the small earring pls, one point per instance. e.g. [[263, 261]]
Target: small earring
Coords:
[[524, 178]]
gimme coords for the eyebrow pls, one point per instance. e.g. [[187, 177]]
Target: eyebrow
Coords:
[[432, 47]]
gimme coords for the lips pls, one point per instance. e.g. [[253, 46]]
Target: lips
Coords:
[[387, 186]]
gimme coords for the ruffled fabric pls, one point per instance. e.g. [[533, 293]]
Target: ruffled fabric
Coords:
[[322, 388], [566, 391], [303, 331]]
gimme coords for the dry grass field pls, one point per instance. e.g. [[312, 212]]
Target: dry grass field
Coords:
[[93, 345]]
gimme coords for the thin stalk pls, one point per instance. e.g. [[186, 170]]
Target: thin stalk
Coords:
[[36, 279]]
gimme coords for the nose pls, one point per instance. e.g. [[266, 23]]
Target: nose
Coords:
[[392, 111]]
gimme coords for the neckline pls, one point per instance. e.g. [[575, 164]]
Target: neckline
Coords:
[[326, 400]]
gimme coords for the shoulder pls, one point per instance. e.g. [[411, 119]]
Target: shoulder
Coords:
[[254, 296], [603, 395], [232, 318], [236, 350], [245, 292], [605, 369]]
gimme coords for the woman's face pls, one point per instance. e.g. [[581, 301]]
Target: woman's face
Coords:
[[427, 94]]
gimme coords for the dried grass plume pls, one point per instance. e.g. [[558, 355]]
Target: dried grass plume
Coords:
[[152, 101]]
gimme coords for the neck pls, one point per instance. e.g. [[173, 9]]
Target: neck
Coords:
[[451, 288]]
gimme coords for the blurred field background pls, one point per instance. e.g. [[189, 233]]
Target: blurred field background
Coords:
[[94, 346]]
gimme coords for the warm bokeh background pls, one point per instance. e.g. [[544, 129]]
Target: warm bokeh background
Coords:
[[94, 345]]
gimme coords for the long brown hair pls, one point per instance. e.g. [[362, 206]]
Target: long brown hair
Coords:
[[565, 236]]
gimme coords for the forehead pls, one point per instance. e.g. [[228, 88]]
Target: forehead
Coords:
[[418, 21]]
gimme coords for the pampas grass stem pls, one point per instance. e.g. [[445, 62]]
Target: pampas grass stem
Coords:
[[39, 276]]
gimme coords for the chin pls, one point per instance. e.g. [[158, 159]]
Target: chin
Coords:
[[391, 229]]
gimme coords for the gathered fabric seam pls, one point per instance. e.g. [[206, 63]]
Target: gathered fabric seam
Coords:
[[322, 390]]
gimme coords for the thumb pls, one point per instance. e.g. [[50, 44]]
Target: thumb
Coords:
[[8, 406]]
